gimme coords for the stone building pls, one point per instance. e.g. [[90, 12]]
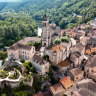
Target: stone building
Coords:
[[76, 58], [18, 50], [66, 82], [50, 32], [40, 64], [90, 67], [76, 74], [56, 54], [57, 90]]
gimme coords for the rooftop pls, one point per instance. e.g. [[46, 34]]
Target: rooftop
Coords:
[[57, 88], [57, 48], [85, 92], [17, 46], [87, 84], [91, 62], [28, 39], [64, 64], [38, 59], [66, 82], [76, 72]]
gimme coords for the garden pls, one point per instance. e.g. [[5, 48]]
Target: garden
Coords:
[[3, 74]]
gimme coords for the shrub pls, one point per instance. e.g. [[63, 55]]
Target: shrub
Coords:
[[65, 39], [58, 41], [22, 60]]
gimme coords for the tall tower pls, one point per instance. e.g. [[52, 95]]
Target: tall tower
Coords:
[[45, 31]]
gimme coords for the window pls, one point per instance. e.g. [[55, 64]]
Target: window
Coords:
[[76, 77]]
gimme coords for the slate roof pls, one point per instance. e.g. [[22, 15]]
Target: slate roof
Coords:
[[85, 92], [38, 59], [76, 72], [17, 46]]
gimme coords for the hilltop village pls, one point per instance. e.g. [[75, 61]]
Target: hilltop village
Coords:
[[62, 61]]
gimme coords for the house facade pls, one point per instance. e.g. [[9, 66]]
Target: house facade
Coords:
[[17, 51], [76, 74], [40, 64], [56, 54]]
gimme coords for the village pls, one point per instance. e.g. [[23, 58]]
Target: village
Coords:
[[65, 58]]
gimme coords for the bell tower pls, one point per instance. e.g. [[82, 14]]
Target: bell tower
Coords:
[[45, 31]]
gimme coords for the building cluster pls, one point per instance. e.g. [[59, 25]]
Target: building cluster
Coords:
[[75, 60]]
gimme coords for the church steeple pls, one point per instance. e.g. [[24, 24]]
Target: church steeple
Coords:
[[45, 17], [45, 21], [45, 31]]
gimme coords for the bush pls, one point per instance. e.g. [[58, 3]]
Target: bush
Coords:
[[58, 41], [65, 39], [22, 60], [3, 74], [14, 76]]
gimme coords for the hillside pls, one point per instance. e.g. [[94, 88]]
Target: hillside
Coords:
[[65, 13], [15, 26]]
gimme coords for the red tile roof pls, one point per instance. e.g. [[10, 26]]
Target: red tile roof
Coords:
[[57, 48], [66, 82]]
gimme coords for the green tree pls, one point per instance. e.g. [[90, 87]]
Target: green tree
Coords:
[[58, 41]]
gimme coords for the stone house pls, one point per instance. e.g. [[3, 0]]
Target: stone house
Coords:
[[40, 64], [67, 46], [76, 58], [78, 48], [79, 34], [84, 40], [64, 66], [90, 67], [17, 51], [56, 54], [57, 90], [66, 82], [76, 74], [92, 41], [68, 32]]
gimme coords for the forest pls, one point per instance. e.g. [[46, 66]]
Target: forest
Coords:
[[14, 27], [65, 13]]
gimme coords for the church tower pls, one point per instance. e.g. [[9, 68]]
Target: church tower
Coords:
[[45, 32]]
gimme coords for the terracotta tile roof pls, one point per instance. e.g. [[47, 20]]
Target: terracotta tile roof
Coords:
[[76, 72], [89, 51], [66, 82], [57, 88], [57, 48], [93, 50], [64, 64]]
